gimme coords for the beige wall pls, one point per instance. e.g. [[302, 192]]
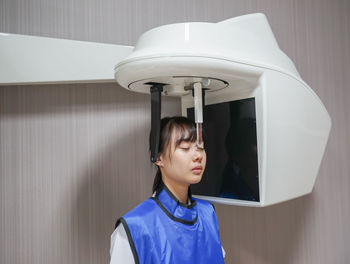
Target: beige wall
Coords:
[[73, 158]]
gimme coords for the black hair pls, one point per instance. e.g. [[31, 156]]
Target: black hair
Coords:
[[186, 131]]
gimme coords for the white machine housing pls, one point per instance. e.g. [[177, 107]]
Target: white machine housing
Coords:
[[242, 59]]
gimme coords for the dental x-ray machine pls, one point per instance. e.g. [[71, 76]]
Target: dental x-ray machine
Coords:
[[266, 130]]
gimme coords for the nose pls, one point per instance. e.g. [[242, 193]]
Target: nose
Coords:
[[198, 154]]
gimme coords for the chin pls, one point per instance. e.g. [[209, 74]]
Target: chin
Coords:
[[195, 179]]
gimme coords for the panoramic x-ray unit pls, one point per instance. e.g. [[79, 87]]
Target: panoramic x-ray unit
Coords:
[[265, 130]]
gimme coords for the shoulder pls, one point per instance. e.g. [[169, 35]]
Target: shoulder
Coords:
[[205, 207], [203, 203], [142, 210]]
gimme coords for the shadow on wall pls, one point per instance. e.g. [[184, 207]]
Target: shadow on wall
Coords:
[[115, 183], [265, 235]]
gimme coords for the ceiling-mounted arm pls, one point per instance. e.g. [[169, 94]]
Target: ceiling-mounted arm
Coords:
[[39, 60]]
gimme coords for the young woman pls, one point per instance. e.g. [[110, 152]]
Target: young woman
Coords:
[[171, 226]]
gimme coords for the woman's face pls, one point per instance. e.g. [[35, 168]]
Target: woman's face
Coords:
[[183, 164]]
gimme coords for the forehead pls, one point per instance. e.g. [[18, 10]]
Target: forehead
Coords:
[[180, 134]]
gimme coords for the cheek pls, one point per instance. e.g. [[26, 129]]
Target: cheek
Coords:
[[180, 161]]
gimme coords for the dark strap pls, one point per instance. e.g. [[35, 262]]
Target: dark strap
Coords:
[[156, 103]]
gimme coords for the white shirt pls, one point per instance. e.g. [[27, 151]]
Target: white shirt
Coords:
[[120, 248]]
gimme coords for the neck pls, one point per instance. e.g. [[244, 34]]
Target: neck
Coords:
[[179, 190]]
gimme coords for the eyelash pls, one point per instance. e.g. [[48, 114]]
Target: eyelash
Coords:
[[189, 148]]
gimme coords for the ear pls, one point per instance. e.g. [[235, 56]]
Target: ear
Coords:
[[159, 161]]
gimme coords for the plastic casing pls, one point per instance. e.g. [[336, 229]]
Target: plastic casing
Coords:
[[292, 123], [28, 60]]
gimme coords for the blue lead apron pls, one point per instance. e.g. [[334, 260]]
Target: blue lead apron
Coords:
[[164, 230]]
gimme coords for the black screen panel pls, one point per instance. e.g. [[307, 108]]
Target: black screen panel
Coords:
[[232, 155]]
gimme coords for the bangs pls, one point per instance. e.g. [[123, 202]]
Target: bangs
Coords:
[[185, 133]]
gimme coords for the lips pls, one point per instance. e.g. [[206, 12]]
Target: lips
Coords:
[[197, 170]]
